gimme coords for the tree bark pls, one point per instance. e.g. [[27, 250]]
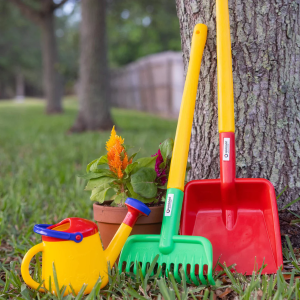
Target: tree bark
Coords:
[[265, 37], [20, 86], [44, 18], [51, 77], [94, 102]]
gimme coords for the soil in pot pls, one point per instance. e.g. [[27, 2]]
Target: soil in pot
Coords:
[[110, 218]]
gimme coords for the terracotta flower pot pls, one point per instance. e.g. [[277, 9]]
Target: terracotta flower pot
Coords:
[[110, 218]]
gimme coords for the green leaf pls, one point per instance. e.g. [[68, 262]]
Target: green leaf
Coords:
[[143, 182], [132, 156], [188, 167], [89, 176], [110, 195], [104, 172], [137, 196], [166, 148], [130, 167], [99, 194], [163, 187], [147, 162], [121, 198], [98, 182], [92, 166]]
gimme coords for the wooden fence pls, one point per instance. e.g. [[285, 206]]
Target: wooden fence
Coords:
[[152, 84]]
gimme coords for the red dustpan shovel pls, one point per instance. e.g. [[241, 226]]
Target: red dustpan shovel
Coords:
[[238, 216]]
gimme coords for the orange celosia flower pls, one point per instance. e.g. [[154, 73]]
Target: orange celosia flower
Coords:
[[120, 174], [125, 162], [113, 138], [115, 152]]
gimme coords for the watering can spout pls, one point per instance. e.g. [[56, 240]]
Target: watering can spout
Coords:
[[135, 209]]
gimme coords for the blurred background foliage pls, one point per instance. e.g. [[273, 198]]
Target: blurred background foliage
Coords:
[[139, 28], [134, 29], [20, 51]]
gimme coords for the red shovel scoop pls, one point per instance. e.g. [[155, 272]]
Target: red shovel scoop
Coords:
[[238, 216]]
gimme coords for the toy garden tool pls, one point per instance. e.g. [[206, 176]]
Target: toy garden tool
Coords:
[[174, 250], [74, 246], [238, 216]]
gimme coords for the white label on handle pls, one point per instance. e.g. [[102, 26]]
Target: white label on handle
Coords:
[[168, 205], [226, 149]]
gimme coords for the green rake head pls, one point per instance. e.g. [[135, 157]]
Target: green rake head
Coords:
[[190, 253]]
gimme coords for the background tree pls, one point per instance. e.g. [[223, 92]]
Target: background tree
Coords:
[[19, 53], [94, 113], [42, 14], [265, 38]]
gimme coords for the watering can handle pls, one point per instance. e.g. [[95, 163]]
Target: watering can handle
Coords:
[[25, 267], [42, 229]]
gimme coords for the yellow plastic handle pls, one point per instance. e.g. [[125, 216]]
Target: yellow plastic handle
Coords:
[[25, 266], [185, 119], [225, 81], [115, 246]]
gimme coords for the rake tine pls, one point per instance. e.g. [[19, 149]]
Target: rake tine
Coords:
[[193, 275], [176, 273], [202, 278], [185, 273], [128, 263], [135, 266]]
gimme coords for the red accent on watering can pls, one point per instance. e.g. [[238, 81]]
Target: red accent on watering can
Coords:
[[135, 209], [85, 227]]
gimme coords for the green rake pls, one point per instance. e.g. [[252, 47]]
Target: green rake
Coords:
[[191, 253]]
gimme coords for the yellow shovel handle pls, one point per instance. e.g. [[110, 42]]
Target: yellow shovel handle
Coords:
[[25, 266], [185, 119], [225, 81]]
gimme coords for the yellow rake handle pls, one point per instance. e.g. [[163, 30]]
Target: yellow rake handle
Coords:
[[185, 119], [225, 81]]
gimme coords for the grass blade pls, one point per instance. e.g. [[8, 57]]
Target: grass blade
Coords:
[[164, 289], [134, 293], [56, 282], [174, 285], [290, 204], [281, 192]]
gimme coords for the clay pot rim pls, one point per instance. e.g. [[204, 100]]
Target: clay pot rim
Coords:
[[104, 214], [120, 207]]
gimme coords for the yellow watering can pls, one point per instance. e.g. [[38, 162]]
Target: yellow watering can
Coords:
[[74, 246]]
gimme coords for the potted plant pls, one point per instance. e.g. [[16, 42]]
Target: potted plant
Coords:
[[117, 175]]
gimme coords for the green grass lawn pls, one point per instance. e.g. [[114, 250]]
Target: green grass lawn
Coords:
[[39, 164]]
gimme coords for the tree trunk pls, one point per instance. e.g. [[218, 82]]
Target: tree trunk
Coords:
[[51, 77], [265, 37], [94, 112], [20, 86]]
